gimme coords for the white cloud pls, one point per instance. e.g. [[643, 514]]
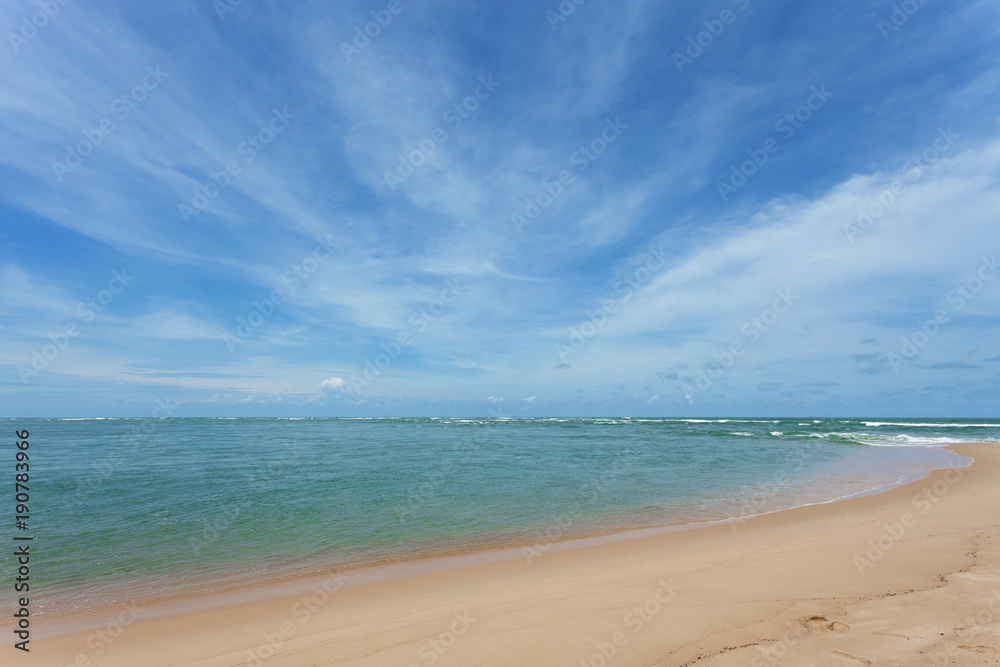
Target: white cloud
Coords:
[[334, 383], [848, 291]]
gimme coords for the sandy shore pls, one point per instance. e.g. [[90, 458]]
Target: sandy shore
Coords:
[[907, 577]]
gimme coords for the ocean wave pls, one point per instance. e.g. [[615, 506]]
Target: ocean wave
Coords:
[[900, 440], [931, 425], [724, 421]]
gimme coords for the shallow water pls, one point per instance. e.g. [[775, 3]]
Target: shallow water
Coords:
[[134, 509]]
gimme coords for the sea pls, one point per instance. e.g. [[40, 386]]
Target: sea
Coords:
[[146, 509]]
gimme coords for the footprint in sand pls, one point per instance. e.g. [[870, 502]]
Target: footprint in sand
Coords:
[[823, 624], [980, 649], [848, 656]]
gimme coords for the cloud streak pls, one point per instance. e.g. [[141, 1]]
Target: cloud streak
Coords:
[[506, 103]]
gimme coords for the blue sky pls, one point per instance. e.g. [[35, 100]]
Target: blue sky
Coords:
[[633, 208]]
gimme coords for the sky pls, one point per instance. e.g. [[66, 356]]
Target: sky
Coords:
[[518, 208]]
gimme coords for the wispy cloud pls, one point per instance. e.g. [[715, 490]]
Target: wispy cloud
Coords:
[[200, 93]]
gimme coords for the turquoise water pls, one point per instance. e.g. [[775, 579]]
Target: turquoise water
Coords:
[[139, 508]]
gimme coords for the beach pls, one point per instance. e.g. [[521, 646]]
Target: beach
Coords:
[[908, 576], [138, 510], [443, 334]]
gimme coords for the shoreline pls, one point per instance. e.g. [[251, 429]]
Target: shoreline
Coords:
[[455, 584], [412, 564]]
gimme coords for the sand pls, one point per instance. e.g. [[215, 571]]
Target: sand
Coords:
[[906, 577]]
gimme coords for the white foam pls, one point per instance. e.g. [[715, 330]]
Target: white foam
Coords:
[[900, 440], [931, 425], [723, 421]]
